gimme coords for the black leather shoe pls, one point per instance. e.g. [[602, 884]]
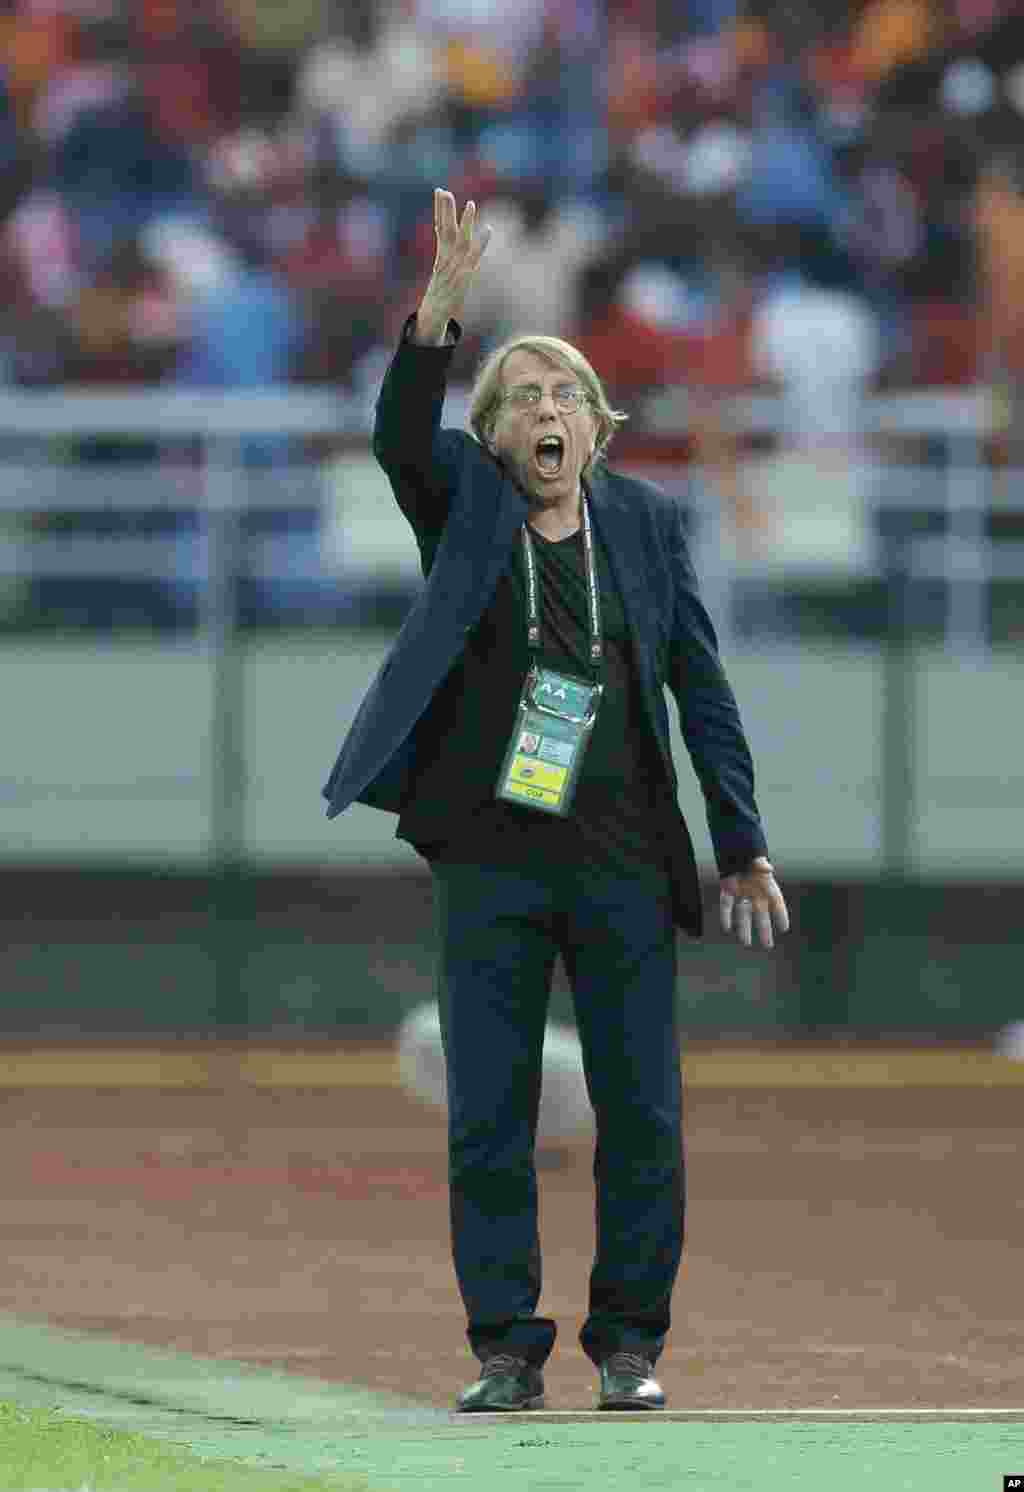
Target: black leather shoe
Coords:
[[626, 1383], [505, 1383]]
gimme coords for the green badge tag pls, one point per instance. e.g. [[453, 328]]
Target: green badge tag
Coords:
[[553, 728]]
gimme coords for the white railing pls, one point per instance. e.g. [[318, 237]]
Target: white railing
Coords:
[[964, 558], [218, 487]]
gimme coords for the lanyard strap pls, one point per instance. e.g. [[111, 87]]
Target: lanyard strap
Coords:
[[593, 591]]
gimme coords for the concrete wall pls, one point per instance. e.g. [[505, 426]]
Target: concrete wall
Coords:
[[103, 756]]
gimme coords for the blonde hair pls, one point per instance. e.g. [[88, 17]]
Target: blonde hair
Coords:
[[486, 397]]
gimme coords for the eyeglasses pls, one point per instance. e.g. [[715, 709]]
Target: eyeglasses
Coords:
[[567, 397]]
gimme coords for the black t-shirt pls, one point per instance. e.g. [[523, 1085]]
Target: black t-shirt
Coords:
[[452, 813]]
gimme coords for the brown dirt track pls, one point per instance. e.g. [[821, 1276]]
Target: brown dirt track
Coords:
[[847, 1246]]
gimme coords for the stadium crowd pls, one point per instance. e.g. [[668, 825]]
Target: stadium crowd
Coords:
[[235, 193], [716, 194]]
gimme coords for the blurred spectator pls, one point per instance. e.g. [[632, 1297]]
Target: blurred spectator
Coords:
[[634, 98], [118, 330], [487, 48], [376, 88], [999, 219], [649, 326], [116, 171], [194, 95], [552, 130], [819, 345], [35, 41], [790, 177], [890, 33], [115, 337], [881, 225], [245, 331], [593, 131], [529, 280], [342, 268]]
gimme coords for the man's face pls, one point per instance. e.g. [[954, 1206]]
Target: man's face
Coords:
[[543, 446]]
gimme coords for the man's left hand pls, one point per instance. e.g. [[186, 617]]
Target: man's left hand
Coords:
[[750, 899]]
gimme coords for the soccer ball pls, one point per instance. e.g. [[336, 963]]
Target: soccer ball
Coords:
[[1010, 1041], [565, 1110]]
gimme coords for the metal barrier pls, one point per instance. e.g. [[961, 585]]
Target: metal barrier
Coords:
[[220, 484], [963, 557]]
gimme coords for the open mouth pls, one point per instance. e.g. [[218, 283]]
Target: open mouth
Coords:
[[550, 452]]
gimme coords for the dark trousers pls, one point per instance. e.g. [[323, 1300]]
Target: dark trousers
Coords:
[[499, 932]]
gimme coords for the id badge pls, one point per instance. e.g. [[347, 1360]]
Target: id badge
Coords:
[[553, 729]]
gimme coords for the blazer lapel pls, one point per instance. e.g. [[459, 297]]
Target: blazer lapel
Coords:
[[617, 526], [512, 510]]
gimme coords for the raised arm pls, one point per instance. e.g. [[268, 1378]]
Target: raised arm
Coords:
[[456, 261], [407, 439]]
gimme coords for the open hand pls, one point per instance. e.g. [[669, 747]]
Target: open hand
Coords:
[[750, 899], [456, 260]]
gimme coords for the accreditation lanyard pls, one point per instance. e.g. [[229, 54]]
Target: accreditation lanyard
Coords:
[[593, 592], [557, 712]]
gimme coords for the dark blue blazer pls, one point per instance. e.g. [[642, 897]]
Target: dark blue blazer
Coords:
[[466, 513]]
